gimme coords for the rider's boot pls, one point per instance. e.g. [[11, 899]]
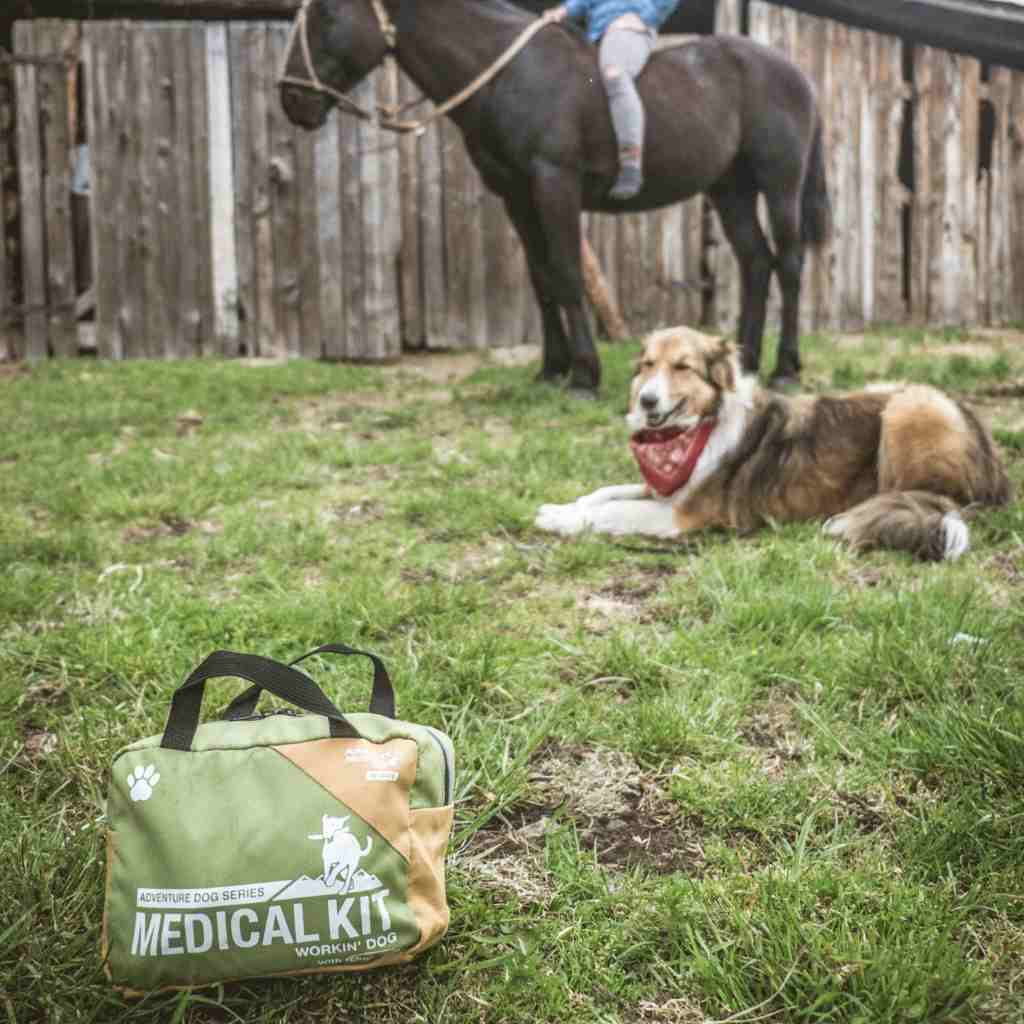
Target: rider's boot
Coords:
[[631, 175]]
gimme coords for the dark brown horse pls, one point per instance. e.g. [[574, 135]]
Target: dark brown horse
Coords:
[[725, 116]]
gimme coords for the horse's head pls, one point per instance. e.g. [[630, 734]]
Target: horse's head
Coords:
[[334, 45]]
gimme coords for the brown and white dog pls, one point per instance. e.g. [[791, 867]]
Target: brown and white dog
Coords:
[[889, 467]]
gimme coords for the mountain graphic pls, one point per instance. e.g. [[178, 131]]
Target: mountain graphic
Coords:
[[304, 886]]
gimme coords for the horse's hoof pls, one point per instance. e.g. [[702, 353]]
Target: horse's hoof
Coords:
[[785, 384], [554, 377], [584, 394]]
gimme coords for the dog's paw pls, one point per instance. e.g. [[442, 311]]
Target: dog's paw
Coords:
[[564, 519]]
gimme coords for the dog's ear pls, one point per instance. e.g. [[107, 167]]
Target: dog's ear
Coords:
[[722, 366]]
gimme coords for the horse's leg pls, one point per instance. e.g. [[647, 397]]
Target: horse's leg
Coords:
[[737, 211], [556, 196], [555, 361], [784, 214]]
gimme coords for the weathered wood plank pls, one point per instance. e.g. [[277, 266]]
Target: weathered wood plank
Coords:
[[431, 228], [886, 72], [100, 64], [1000, 272], [670, 263], [51, 37], [950, 222], [224, 262], [970, 119], [132, 102], [311, 334], [328, 171], [860, 159], [160, 193], [184, 285], [465, 258], [147, 342], [199, 127], [868, 173], [265, 321], [813, 54], [728, 17], [30, 177], [1016, 197], [382, 228], [922, 201], [409, 278], [694, 270], [725, 305], [843, 158], [629, 272], [240, 47], [505, 279], [8, 346], [602, 231], [284, 191], [353, 264]]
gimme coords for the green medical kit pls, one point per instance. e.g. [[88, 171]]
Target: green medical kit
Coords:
[[275, 844]]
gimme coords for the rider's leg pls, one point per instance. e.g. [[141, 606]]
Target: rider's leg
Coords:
[[622, 55]]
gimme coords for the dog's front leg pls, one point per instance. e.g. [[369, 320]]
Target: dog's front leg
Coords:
[[618, 510], [617, 492], [573, 518]]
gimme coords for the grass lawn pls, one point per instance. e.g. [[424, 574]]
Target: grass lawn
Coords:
[[734, 779]]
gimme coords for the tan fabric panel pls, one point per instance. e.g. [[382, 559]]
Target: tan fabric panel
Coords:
[[430, 828], [349, 770]]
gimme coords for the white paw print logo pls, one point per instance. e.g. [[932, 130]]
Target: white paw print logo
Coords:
[[141, 782]]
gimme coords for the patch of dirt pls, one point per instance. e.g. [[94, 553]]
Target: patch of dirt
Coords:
[[869, 816], [1007, 565], [39, 743], [452, 367], [625, 599], [169, 526], [620, 812], [49, 691], [665, 1009], [772, 729], [364, 511]]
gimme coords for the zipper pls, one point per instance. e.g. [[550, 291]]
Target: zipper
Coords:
[[449, 767]]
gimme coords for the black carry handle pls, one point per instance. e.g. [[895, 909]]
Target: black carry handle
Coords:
[[287, 683], [382, 699]]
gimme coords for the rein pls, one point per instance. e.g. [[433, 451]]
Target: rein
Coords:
[[386, 117]]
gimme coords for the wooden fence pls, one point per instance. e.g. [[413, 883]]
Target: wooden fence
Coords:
[[218, 228], [949, 250]]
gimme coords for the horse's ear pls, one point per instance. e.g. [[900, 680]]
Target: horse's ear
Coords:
[[722, 366]]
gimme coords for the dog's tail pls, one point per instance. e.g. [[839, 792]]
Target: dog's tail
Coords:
[[929, 526]]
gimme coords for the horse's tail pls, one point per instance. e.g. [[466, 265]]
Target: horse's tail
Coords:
[[816, 211]]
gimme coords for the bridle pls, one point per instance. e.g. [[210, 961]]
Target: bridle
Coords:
[[300, 32], [387, 116]]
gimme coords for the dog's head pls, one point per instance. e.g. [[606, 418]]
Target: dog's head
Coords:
[[681, 378], [332, 826]]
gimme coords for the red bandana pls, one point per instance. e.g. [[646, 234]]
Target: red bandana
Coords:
[[667, 457]]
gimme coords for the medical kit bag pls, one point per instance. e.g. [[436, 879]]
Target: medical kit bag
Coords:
[[278, 843]]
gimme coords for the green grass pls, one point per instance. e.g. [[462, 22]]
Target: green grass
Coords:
[[778, 782]]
